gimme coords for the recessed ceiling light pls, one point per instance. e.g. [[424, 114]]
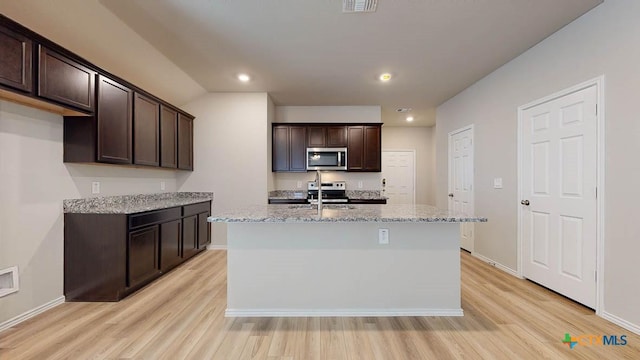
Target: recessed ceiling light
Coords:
[[409, 118], [244, 77], [385, 77]]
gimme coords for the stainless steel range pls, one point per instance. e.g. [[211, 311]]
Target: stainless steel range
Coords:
[[332, 192]]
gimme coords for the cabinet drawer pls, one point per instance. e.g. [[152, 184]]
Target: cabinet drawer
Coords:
[[154, 217], [196, 208]]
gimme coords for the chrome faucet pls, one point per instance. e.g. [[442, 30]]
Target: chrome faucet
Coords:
[[318, 182]]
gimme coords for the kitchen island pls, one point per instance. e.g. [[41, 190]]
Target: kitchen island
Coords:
[[288, 260]]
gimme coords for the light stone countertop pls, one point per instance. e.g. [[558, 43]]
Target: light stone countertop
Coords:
[[131, 204], [342, 213]]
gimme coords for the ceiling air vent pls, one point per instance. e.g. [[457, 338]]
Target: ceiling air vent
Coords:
[[358, 6]]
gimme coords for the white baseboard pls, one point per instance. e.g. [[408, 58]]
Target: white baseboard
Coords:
[[504, 268], [31, 313], [216, 247], [621, 322], [340, 312]]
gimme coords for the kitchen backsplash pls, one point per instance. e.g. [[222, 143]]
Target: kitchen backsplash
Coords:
[[298, 181], [302, 194]]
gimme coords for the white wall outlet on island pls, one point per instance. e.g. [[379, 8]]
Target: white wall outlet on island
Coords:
[[360, 184], [163, 185], [299, 185], [95, 187], [383, 236]]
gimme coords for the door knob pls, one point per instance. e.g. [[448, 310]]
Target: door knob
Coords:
[[450, 194], [525, 202]]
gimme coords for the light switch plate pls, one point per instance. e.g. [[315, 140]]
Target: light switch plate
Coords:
[[497, 183]]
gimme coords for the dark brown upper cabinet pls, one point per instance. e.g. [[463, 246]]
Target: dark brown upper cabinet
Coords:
[[289, 148], [16, 54], [364, 148], [98, 107], [114, 122], [316, 136], [372, 148], [65, 81], [185, 142], [355, 148], [146, 131], [168, 137], [326, 136], [336, 136]]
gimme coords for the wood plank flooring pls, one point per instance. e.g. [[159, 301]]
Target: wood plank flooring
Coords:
[[181, 316]]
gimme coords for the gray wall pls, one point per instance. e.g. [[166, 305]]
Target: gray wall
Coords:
[[231, 152], [604, 41]]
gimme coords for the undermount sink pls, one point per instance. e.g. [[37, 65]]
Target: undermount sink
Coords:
[[325, 206]]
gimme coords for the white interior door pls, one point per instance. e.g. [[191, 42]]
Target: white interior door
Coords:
[[559, 209], [398, 174], [461, 180]]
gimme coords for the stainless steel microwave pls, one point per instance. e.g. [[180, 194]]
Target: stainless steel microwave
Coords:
[[326, 158]]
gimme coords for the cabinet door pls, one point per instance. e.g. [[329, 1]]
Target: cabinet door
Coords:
[[170, 244], [146, 131], [15, 60], [189, 236], [355, 148], [185, 142], [204, 231], [316, 136], [65, 81], [114, 122], [143, 255], [372, 143], [298, 148], [336, 136], [280, 148], [168, 137]]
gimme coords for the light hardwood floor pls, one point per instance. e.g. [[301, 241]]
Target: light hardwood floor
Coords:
[[181, 316]]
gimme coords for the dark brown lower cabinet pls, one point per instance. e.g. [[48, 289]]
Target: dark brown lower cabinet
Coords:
[[189, 236], [170, 244], [204, 231], [143, 262], [109, 256]]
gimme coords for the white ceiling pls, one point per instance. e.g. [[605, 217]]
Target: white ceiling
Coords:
[[307, 52]]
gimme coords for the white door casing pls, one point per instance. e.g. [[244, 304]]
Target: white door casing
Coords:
[[461, 174], [398, 174], [558, 187]]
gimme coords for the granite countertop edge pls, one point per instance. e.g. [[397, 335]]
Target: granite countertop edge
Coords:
[[131, 204], [339, 213]]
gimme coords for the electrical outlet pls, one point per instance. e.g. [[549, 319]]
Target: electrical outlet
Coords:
[[497, 183], [299, 185], [163, 185], [95, 187], [383, 236], [360, 184]]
